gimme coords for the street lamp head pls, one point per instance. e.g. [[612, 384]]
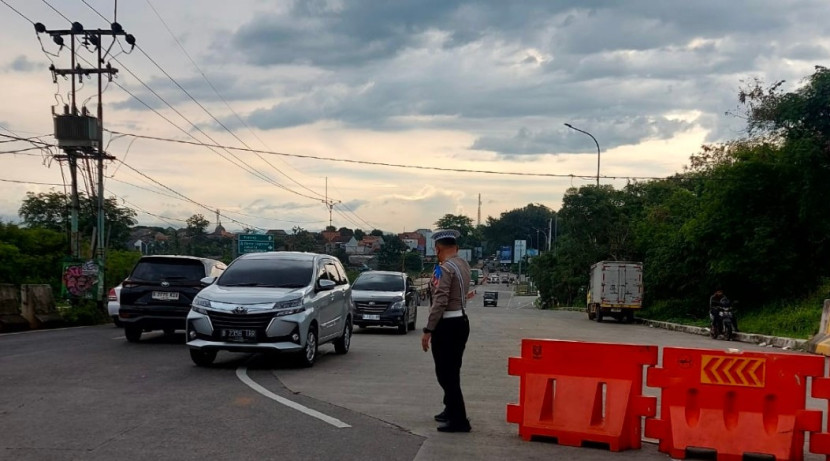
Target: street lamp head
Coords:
[[568, 125]]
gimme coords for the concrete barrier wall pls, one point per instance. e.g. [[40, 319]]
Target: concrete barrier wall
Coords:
[[10, 318], [37, 305], [820, 343]]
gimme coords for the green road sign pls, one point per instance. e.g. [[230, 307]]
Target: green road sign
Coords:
[[254, 243]]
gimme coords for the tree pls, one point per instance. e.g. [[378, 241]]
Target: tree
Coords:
[[52, 210], [391, 254], [359, 234], [376, 233], [197, 225], [469, 238], [331, 229], [345, 232], [518, 224]]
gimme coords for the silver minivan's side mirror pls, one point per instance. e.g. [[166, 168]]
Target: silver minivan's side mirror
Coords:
[[326, 285], [207, 281]]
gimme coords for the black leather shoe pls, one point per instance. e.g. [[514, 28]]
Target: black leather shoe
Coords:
[[442, 417], [455, 427]]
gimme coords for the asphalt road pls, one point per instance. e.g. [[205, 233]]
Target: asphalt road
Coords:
[[87, 394]]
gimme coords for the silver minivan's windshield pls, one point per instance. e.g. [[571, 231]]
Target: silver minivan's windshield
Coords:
[[276, 273], [379, 282]]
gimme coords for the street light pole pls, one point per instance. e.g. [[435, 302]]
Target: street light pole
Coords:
[[595, 142]]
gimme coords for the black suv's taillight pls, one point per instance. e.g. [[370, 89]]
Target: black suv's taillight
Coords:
[[128, 284]]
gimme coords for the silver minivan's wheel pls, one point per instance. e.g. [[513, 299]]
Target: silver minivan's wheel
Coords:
[[202, 357], [342, 344], [309, 353]]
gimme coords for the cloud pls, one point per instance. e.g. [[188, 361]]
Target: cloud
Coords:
[[609, 133], [23, 64]]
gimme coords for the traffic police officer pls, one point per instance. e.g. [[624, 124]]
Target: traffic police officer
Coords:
[[448, 328]]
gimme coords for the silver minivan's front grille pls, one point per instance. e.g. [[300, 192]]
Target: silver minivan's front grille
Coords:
[[248, 321], [371, 307]]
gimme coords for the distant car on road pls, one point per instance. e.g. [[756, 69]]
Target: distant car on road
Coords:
[[158, 293], [385, 299], [113, 304], [273, 302]]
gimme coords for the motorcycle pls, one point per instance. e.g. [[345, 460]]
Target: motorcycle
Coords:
[[722, 321]]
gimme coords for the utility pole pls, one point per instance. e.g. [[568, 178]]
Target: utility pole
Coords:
[[82, 136], [479, 210], [330, 203]]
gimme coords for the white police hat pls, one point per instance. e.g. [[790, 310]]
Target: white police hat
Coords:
[[442, 234]]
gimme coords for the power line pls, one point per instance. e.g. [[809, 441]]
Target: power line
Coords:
[[204, 76], [57, 11], [15, 181], [383, 164], [252, 170], [18, 12]]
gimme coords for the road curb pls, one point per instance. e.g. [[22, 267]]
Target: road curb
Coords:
[[752, 338], [761, 340]]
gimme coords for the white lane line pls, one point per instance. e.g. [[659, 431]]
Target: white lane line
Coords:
[[242, 374], [119, 337]]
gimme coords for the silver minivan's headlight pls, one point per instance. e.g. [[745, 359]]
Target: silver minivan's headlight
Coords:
[[199, 305], [290, 307]]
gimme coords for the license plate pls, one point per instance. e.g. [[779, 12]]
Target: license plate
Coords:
[[616, 310], [371, 317], [165, 295], [239, 335]]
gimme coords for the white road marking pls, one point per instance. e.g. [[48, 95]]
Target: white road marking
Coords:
[[242, 374], [119, 337]]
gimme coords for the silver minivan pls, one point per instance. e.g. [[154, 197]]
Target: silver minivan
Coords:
[[272, 302]]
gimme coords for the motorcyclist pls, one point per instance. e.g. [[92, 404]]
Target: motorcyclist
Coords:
[[714, 309]]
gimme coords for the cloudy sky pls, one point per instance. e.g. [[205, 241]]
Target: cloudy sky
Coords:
[[484, 85]]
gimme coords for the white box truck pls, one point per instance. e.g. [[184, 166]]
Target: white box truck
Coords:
[[616, 290]]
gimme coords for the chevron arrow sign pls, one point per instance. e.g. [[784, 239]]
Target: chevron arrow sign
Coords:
[[733, 371]]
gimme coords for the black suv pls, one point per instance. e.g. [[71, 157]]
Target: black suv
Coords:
[[385, 299], [158, 293]]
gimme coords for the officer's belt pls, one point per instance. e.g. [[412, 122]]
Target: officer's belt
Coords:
[[453, 314]]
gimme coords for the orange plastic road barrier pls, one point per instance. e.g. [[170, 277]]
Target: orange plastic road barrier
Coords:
[[734, 403], [820, 443], [582, 392]]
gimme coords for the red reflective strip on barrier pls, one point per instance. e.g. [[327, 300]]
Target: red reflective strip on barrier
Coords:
[[732, 371]]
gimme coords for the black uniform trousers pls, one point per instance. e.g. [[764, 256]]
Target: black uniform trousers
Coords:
[[448, 342]]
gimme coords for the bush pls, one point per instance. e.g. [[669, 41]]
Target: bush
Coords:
[[83, 313]]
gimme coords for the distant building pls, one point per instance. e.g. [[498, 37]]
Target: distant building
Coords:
[[414, 240], [429, 249], [370, 244]]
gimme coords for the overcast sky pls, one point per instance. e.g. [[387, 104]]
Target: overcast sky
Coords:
[[484, 85]]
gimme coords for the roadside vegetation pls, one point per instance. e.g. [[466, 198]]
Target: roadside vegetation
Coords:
[[748, 216]]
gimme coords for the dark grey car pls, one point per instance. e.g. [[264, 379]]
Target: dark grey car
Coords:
[[385, 299]]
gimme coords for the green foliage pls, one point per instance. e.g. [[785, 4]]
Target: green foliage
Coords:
[[392, 254], [83, 313], [748, 216], [197, 225], [529, 223], [119, 265], [51, 210], [470, 236], [31, 255]]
